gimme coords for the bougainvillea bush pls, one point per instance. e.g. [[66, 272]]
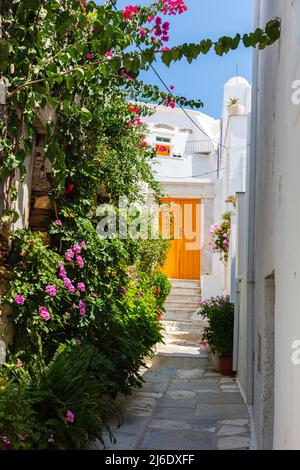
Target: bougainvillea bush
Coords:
[[220, 237]]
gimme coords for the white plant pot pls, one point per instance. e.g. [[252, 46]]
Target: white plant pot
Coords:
[[236, 109], [214, 358]]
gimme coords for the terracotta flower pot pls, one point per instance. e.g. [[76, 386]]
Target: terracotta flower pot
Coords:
[[225, 365]]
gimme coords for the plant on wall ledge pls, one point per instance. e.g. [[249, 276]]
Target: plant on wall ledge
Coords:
[[220, 236]]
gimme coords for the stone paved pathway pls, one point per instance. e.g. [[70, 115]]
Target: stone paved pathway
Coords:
[[184, 405]]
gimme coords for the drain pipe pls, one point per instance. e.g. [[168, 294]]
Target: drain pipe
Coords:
[[250, 237]]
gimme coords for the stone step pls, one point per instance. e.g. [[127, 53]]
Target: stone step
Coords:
[[180, 356], [179, 315], [174, 305], [195, 298], [185, 283], [179, 311], [188, 325], [183, 334], [186, 292], [184, 342]]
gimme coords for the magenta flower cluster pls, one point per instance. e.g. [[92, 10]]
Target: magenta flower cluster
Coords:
[[51, 290], [44, 313], [70, 416], [75, 253], [82, 308], [81, 286], [172, 7], [219, 239], [19, 299], [68, 284]]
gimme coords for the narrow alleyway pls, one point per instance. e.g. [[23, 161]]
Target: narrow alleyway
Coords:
[[184, 405]]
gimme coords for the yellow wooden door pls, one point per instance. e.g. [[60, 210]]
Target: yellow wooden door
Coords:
[[183, 260]]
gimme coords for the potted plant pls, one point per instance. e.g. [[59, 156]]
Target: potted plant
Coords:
[[234, 107], [219, 312], [220, 237]]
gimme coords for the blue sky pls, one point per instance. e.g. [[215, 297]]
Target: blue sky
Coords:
[[205, 77]]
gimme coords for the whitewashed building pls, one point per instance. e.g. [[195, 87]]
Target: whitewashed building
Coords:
[[201, 161], [187, 167], [267, 273]]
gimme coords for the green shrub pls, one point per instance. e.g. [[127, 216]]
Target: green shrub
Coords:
[[162, 287], [74, 381], [17, 416], [219, 312], [152, 255]]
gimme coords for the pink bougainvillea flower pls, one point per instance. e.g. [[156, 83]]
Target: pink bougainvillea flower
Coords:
[[44, 313], [70, 416], [165, 49], [81, 286], [69, 255], [82, 307], [51, 290], [89, 56], [79, 261], [143, 32], [158, 21], [172, 7], [109, 54], [129, 12], [68, 284], [165, 38], [76, 249], [150, 18], [82, 244], [19, 363], [58, 222], [172, 87], [62, 272], [19, 299]]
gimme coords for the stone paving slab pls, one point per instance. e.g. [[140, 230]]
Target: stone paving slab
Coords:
[[173, 440], [233, 442], [194, 385], [222, 411], [171, 402], [175, 413], [219, 398], [182, 409]]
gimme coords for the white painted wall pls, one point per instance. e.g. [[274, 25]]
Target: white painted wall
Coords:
[[277, 228]]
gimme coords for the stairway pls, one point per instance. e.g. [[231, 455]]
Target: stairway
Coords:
[[183, 327]]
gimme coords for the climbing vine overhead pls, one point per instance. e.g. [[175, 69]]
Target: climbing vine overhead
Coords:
[[52, 50]]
